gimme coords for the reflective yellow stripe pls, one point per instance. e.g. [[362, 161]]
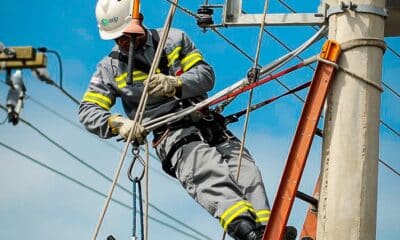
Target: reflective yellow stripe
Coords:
[[190, 60], [237, 213], [173, 55], [263, 215], [99, 99], [235, 210], [137, 76]]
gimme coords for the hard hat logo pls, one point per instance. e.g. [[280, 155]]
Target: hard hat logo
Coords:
[[106, 22], [113, 17]]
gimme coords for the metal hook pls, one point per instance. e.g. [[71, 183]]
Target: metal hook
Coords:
[[136, 156]]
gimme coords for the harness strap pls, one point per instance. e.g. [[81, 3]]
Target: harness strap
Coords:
[[166, 164]]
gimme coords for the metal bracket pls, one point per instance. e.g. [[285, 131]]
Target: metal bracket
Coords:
[[234, 16], [358, 8]]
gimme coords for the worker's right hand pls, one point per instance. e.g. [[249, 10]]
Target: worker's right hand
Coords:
[[122, 126]]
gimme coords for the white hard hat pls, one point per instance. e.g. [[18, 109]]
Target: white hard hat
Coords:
[[113, 16]]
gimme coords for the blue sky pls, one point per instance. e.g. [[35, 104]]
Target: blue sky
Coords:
[[38, 204]]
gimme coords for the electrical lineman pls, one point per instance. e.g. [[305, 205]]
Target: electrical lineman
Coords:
[[199, 151]]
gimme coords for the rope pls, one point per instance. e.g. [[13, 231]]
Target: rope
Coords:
[[363, 79], [253, 78], [138, 115], [363, 42], [146, 179]]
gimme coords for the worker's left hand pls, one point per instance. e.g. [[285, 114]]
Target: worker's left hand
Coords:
[[163, 85]]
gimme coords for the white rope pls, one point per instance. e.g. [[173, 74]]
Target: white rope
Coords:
[[139, 114], [363, 79]]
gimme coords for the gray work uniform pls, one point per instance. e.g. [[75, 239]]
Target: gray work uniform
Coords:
[[206, 172]]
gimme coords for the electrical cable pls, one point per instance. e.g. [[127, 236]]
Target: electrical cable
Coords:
[[92, 189], [59, 115], [389, 167], [103, 175], [390, 128], [393, 51], [391, 89]]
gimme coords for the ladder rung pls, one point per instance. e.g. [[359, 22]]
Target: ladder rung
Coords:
[[307, 198]]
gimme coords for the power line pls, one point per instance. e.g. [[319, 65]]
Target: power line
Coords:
[[102, 174], [390, 128], [393, 51], [91, 188], [389, 167], [59, 115], [391, 89]]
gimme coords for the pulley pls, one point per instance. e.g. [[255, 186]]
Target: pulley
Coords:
[[204, 16]]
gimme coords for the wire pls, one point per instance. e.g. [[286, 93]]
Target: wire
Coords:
[[393, 51], [104, 175], [47, 108], [390, 128], [391, 89], [389, 167], [91, 188]]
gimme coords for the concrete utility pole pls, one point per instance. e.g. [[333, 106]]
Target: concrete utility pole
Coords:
[[348, 200]]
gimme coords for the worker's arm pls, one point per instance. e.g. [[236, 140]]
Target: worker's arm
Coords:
[[198, 77], [194, 77], [96, 103]]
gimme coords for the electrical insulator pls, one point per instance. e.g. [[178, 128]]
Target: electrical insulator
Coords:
[[15, 97], [204, 16]]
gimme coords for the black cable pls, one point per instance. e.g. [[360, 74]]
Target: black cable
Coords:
[[104, 175], [66, 93], [393, 51], [47, 108], [390, 128], [389, 167], [91, 188], [60, 68], [391, 89]]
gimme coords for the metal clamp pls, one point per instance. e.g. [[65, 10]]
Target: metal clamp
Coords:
[[359, 8]]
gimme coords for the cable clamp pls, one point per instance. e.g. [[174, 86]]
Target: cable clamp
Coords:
[[253, 74], [358, 8]]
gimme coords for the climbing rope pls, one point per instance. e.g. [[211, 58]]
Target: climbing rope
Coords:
[[139, 113], [253, 76]]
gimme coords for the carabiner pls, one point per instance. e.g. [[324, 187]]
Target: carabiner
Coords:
[[136, 156]]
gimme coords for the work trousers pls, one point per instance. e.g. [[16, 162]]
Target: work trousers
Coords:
[[208, 173]]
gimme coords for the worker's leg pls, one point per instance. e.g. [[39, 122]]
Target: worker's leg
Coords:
[[250, 179], [204, 172]]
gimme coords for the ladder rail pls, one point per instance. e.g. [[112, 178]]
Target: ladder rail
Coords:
[[302, 141]]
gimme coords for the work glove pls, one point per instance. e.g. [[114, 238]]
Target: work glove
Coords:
[[163, 85], [122, 126]]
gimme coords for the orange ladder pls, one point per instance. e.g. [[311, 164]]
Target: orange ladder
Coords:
[[302, 141]]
